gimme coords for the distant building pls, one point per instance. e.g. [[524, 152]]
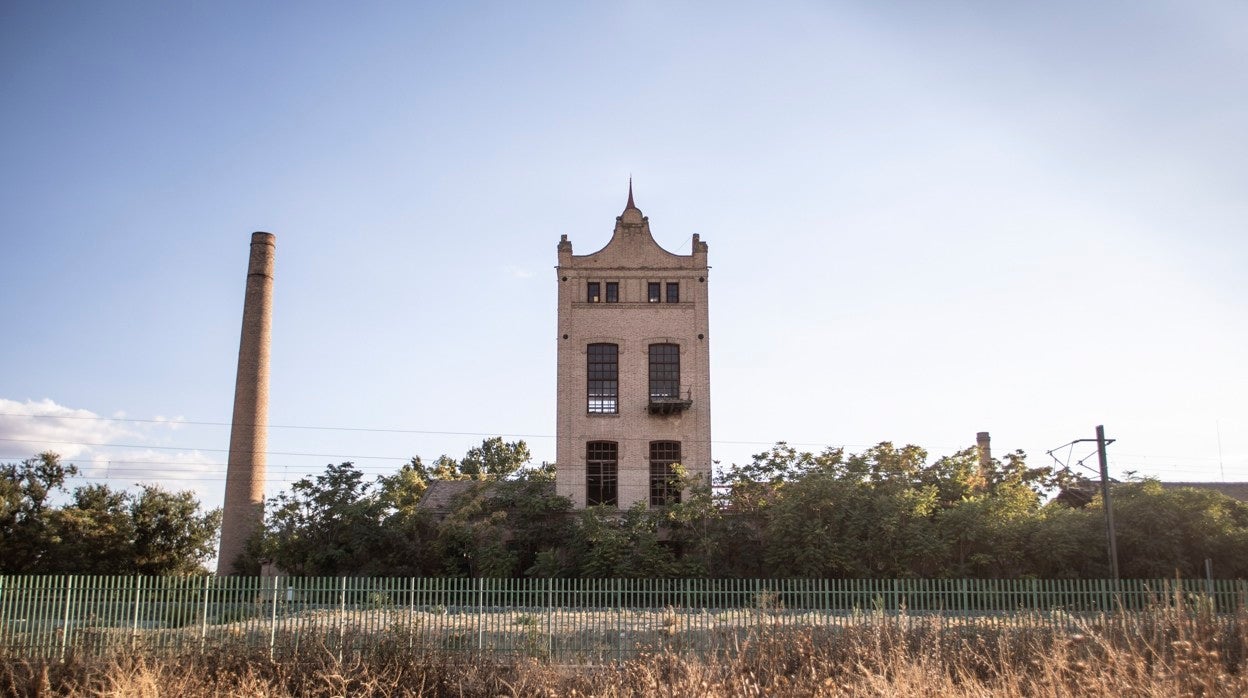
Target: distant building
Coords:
[[1081, 494], [1234, 490], [633, 368], [440, 496]]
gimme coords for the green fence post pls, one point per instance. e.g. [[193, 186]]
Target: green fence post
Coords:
[[411, 612], [69, 585], [342, 618], [136, 600], [203, 627], [273, 619], [550, 622]]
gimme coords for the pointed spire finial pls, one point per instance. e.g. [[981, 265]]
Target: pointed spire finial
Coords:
[[630, 194]]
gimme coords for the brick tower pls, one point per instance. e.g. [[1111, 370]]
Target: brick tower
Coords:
[[633, 368], [243, 512]]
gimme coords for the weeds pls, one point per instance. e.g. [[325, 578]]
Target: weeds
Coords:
[[1155, 654]]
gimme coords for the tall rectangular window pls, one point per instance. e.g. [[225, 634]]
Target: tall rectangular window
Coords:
[[673, 292], [594, 295], [604, 378], [601, 473], [664, 370], [664, 480], [652, 292], [613, 292]]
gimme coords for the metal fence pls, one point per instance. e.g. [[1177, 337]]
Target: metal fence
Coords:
[[565, 620]]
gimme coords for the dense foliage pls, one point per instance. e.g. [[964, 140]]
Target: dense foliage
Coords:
[[885, 512], [97, 530]]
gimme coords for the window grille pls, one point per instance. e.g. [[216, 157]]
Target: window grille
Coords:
[[601, 473], [664, 480], [664, 371], [603, 378]]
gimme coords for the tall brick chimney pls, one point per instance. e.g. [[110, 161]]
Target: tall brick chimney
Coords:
[[243, 512], [983, 444]]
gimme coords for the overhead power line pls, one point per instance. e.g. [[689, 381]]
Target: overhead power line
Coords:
[[425, 432], [189, 422]]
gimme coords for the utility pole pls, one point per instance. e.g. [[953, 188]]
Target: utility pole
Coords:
[[1105, 498]]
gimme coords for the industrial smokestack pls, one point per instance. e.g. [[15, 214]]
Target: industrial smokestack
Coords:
[[983, 444], [243, 513]]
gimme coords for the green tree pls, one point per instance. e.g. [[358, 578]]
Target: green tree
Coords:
[[324, 526], [506, 527], [984, 514], [153, 532], [99, 530], [1061, 542], [494, 459], [698, 527], [401, 492], [865, 515], [1163, 532], [170, 535], [606, 542], [94, 533], [24, 490]]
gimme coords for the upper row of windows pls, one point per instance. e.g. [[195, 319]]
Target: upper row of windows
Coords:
[[654, 292]]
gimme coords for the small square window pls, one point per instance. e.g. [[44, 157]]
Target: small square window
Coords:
[[673, 292], [653, 292], [594, 295], [613, 292]]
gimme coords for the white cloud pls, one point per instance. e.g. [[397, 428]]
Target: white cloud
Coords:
[[105, 449], [31, 427], [173, 423], [173, 470], [516, 272]]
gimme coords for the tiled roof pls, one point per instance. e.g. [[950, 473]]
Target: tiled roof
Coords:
[[439, 497], [1234, 490], [1081, 495]]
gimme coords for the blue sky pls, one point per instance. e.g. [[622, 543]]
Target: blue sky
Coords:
[[925, 220]]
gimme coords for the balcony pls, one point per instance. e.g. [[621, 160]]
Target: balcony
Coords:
[[667, 402]]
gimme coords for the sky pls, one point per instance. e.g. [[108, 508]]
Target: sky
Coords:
[[925, 220]]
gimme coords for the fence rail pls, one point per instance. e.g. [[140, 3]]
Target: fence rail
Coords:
[[566, 620]]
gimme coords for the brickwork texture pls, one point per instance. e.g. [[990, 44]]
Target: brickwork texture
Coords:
[[633, 260]]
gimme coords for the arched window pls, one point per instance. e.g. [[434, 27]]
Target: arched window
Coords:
[[602, 467], [664, 371], [664, 480], [604, 379]]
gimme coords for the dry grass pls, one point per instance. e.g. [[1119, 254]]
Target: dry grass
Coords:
[[1166, 653]]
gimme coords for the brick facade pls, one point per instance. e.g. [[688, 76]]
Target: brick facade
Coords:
[[655, 405]]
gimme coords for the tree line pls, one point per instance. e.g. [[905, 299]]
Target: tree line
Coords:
[[887, 512], [95, 529]]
